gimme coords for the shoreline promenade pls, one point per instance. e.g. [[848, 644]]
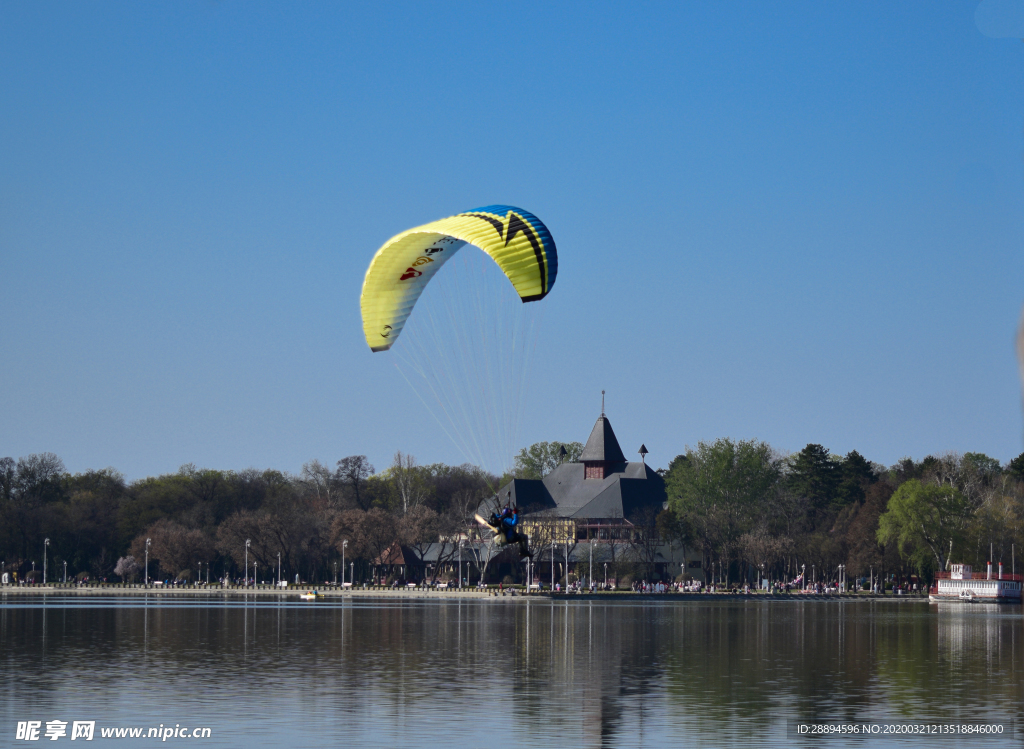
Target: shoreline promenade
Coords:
[[268, 591]]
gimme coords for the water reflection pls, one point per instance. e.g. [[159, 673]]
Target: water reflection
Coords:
[[474, 673]]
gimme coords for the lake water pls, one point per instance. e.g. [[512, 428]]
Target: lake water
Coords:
[[364, 672]]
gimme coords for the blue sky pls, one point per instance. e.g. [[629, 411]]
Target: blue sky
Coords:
[[797, 223]]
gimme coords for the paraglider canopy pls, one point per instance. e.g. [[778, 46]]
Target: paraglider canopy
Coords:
[[515, 239]]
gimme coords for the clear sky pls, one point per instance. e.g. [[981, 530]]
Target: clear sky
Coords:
[[791, 222]]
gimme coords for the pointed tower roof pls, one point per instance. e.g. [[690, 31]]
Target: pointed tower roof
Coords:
[[602, 445]]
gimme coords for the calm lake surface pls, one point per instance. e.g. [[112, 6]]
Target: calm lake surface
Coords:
[[429, 673]]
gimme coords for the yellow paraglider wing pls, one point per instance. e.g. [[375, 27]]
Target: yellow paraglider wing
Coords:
[[515, 239]]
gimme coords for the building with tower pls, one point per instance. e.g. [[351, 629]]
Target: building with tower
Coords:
[[602, 486], [600, 508]]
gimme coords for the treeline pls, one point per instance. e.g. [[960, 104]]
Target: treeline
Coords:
[[197, 520], [750, 509]]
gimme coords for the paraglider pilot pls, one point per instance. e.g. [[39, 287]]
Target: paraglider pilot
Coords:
[[505, 523]]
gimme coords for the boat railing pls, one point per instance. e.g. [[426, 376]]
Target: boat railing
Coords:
[[982, 576]]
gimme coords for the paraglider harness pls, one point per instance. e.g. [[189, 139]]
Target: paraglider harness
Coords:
[[505, 523]]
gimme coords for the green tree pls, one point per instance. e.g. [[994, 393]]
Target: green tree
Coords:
[[1016, 467], [540, 458], [927, 522], [815, 475], [719, 489]]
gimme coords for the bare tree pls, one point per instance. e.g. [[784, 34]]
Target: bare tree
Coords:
[[176, 547], [418, 529], [764, 549], [407, 480], [644, 539], [320, 480], [352, 474], [369, 533]]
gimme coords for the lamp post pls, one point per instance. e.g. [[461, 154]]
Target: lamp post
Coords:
[[591, 564], [803, 576], [207, 573], [460, 563], [682, 575], [247, 542], [46, 542], [199, 579], [567, 539], [606, 575], [352, 573], [148, 542], [552, 564], [760, 583], [279, 569], [255, 566], [65, 571], [343, 545]]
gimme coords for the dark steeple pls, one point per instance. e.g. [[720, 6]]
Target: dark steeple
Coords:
[[602, 450], [602, 445]]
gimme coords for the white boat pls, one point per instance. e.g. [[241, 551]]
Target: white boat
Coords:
[[964, 585], [311, 595]]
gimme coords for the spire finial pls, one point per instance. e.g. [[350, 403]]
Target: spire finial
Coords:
[[602, 403]]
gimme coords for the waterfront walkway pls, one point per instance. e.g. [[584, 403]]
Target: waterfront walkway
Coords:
[[217, 591]]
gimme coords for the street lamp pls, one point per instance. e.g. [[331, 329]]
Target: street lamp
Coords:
[[606, 575], [460, 563], [336, 571], [592, 563], [279, 569], [199, 579], [567, 539], [46, 542], [352, 573], [65, 571], [552, 563], [803, 576], [247, 542], [255, 566], [343, 545], [148, 542]]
